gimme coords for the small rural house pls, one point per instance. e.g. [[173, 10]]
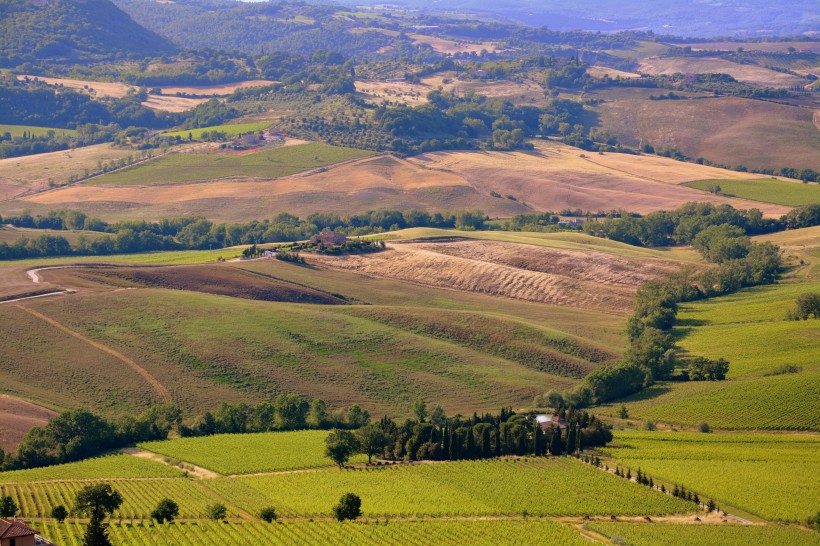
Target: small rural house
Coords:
[[329, 238], [547, 421], [268, 253], [14, 532]]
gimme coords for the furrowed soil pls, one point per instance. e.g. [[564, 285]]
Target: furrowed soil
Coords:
[[17, 416], [589, 280], [222, 280]]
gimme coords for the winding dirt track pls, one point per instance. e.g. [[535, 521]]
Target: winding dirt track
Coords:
[[160, 389]]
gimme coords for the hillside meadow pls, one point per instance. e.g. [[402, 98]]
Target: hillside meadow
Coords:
[[768, 191]]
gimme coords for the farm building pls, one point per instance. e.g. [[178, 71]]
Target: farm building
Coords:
[[547, 421], [329, 238], [268, 254], [14, 532]]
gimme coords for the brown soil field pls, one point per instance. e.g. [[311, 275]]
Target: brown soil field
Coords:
[[222, 89], [728, 130], [524, 91], [404, 92], [222, 280], [17, 416], [701, 65], [449, 47], [101, 89], [555, 177], [172, 104], [19, 175], [768, 47], [601, 71], [569, 278]]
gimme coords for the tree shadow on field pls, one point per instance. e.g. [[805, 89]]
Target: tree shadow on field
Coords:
[[649, 393]]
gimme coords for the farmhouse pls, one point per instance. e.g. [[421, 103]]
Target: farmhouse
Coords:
[[547, 421], [14, 532], [329, 238]]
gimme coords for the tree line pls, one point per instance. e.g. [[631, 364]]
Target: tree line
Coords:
[[434, 436], [192, 233]]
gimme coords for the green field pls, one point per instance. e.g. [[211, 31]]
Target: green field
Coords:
[[763, 474], [112, 466], [664, 534], [12, 235], [178, 168], [247, 453], [471, 488], [774, 191], [230, 130], [18, 130], [534, 532]]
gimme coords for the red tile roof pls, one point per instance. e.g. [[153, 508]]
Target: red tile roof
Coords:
[[14, 528]]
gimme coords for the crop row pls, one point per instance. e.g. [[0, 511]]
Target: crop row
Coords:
[[706, 535], [536, 532], [114, 466]]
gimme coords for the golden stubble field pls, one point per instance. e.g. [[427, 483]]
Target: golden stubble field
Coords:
[[703, 65], [554, 177], [570, 278]]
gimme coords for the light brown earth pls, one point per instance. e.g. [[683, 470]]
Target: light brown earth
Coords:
[[728, 130], [222, 89], [17, 416], [769, 47], [449, 47], [569, 278], [702, 65], [554, 177], [601, 71]]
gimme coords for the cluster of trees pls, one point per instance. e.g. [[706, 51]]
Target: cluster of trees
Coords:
[[285, 412], [198, 233], [806, 306], [681, 226], [434, 436]]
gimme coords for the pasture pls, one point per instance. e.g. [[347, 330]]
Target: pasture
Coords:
[[768, 191], [191, 167], [230, 131], [763, 474], [250, 453], [18, 130]]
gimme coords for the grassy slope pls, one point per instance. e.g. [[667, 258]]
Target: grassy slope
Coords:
[[763, 474], [274, 163], [767, 191], [230, 130], [17, 130]]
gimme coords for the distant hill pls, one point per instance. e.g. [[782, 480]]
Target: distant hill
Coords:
[[33, 30]]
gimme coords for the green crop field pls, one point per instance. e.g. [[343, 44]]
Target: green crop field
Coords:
[[18, 130], [763, 474], [537, 486], [535, 532], [274, 163], [247, 453], [230, 130], [112, 466], [664, 534], [12, 235], [774, 191]]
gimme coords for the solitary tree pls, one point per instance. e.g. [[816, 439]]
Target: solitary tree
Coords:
[[166, 510], [623, 413], [97, 501], [349, 507], [216, 511], [8, 508], [371, 440], [59, 513], [268, 514], [420, 410], [340, 445]]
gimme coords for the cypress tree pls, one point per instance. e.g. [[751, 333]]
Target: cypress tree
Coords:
[[470, 451], [676, 491], [628, 474], [486, 446], [571, 439], [445, 443], [453, 445], [537, 440]]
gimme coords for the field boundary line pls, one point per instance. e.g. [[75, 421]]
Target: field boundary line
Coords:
[[160, 389], [198, 471]]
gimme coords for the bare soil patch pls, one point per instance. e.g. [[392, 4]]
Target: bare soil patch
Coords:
[[703, 65], [101, 89], [223, 280], [449, 47], [222, 89], [589, 280], [197, 471], [768, 47], [18, 416], [601, 71]]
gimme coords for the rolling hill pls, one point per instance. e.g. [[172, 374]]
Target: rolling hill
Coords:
[[74, 30]]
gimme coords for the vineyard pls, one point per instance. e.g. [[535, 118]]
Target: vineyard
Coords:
[[701, 535], [535, 532], [467, 488], [763, 474], [247, 453], [113, 466]]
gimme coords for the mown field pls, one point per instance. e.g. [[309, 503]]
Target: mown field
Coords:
[[230, 131], [763, 474], [705, 535], [18, 130], [248, 453], [767, 191], [190, 167]]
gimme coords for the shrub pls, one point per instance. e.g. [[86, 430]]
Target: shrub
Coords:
[[268, 514], [703, 426], [649, 424], [216, 511], [166, 510], [806, 306], [349, 507], [59, 513], [8, 508]]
